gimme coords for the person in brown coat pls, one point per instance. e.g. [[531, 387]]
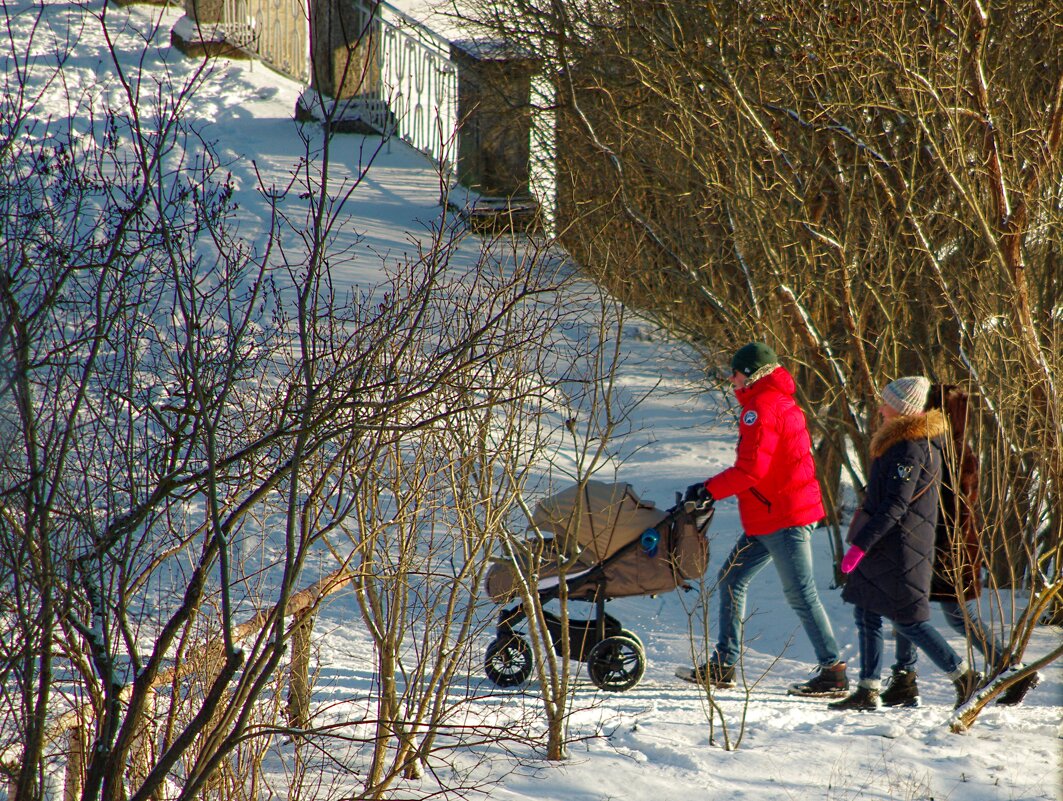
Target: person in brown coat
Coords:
[[958, 559]]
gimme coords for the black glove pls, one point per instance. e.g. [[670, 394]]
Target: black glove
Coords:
[[697, 495]]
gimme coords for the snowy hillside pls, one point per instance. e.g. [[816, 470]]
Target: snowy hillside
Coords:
[[651, 743]]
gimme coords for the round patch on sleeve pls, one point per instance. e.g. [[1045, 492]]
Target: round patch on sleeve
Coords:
[[749, 418]]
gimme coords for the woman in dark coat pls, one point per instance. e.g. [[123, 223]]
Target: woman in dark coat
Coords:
[[890, 558], [958, 561]]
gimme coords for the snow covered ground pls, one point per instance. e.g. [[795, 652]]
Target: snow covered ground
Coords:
[[652, 742]]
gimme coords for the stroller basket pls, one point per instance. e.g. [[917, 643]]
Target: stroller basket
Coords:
[[583, 634]]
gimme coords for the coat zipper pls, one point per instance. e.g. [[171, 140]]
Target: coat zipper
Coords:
[[760, 497]]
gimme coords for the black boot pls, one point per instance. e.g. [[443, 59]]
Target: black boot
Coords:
[[712, 673], [864, 699], [901, 690], [966, 685], [1017, 691]]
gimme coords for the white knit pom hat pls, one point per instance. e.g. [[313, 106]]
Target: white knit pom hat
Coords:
[[907, 395]]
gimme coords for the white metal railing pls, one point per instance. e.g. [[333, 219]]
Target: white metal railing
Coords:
[[418, 84], [416, 96], [276, 32]]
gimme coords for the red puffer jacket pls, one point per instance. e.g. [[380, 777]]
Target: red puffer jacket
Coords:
[[774, 475]]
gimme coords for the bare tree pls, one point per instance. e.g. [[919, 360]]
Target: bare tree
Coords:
[[195, 426], [431, 490], [592, 416]]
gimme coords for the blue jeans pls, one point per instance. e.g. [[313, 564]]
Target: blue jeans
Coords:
[[963, 619], [869, 634], [790, 549]]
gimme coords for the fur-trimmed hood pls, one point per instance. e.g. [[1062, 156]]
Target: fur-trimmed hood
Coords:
[[908, 427]]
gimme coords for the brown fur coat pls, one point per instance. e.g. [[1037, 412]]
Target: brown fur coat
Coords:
[[958, 557]]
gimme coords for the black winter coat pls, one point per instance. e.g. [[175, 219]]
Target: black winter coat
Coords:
[[901, 505]]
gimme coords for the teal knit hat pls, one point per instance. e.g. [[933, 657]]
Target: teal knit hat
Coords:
[[752, 357]]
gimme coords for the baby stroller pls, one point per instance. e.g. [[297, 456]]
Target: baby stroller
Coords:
[[613, 545]]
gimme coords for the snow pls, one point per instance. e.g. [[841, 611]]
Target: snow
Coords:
[[651, 742]]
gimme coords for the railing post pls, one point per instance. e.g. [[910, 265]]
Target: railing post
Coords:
[[344, 64], [299, 692], [299, 671], [378, 70], [11, 771], [142, 749], [200, 32], [74, 778]]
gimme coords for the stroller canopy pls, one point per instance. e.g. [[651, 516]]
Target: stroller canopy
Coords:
[[590, 526], [592, 521]]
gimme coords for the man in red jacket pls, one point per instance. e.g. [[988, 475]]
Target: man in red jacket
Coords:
[[779, 503]]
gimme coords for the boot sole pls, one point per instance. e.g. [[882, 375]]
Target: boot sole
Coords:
[[854, 708], [909, 703], [839, 693]]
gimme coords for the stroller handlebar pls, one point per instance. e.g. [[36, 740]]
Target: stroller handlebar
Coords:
[[696, 507], [693, 507]]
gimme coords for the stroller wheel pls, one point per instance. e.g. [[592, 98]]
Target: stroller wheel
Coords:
[[616, 663], [508, 661], [633, 636]]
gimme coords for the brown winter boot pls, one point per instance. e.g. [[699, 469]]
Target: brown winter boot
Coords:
[[965, 685], [901, 690], [1015, 694], [830, 682], [711, 673], [864, 699]]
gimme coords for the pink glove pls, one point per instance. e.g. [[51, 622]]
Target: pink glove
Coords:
[[852, 558]]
